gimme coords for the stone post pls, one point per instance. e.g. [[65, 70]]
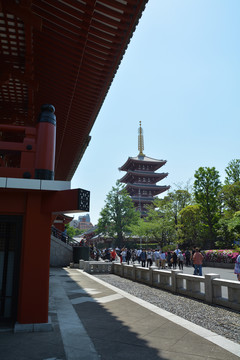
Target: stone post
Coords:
[[122, 270], [209, 287], [150, 276], [174, 279], [81, 264], [87, 266], [134, 272]]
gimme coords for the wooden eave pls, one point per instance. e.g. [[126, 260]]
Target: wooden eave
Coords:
[[156, 188], [132, 163], [64, 53], [135, 174]]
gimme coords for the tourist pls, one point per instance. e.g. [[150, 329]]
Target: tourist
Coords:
[[108, 254], [156, 258], [163, 259], [193, 252], [237, 268], [174, 260], [128, 256], [143, 257], [113, 255], [149, 258], [197, 261], [188, 257], [124, 254], [139, 251], [97, 254], [177, 250], [134, 255], [169, 259], [64, 235], [180, 260]]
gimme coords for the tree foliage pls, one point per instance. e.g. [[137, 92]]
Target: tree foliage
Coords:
[[118, 214], [179, 199], [230, 197], [206, 187], [71, 231], [191, 228], [233, 171]]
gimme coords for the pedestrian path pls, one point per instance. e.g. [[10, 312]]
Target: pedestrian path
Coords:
[[94, 320], [121, 326]]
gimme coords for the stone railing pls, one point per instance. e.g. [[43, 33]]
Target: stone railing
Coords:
[[209, 288]]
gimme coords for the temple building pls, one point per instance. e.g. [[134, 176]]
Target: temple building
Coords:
[[141, 178]]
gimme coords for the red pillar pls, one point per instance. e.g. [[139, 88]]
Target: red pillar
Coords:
[[34, 274]]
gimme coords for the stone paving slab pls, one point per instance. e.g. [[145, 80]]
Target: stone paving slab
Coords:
[[32, 345]]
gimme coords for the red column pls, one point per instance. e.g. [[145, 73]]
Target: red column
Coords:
[[34, 274]]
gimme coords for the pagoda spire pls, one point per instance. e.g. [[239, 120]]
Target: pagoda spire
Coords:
[[140, 140]]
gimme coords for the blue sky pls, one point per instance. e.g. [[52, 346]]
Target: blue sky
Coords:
[[181, 77]]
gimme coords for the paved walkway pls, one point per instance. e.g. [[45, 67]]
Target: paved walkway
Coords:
[[94, 320]]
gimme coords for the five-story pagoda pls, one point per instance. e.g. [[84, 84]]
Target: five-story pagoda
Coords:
[[141, 177]]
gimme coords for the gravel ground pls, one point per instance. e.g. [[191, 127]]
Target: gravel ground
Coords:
[[215, 318]]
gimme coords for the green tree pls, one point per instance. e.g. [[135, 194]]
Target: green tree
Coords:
[[226, 233], [191, 228], [70, 230], [146, 231], [162, 220], [79, 231], [230, 196], [233, 171], [118, 214], [234, 225], [206, 191], [179, 199]]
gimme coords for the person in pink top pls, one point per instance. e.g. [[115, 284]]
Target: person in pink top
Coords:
[[197, 261], [237, 268]]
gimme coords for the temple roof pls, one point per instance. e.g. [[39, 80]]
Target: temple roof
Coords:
[[143, 200], [64, 53], [156, 188], [133, 174], [142, 159]]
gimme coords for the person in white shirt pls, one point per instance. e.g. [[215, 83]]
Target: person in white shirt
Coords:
[[149, 258], [139, 251]]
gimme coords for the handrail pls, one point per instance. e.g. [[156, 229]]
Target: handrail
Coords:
[[61, 235]]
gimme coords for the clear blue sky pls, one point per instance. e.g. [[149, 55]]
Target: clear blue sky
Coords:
[[181, 77]]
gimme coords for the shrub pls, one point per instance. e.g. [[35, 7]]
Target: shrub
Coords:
[[220, 256]]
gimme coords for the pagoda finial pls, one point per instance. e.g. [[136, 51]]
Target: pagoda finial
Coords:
[[140, 140]]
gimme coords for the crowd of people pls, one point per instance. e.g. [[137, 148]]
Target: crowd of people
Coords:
[[149, 257]]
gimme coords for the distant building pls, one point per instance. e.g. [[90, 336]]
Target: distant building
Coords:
[[84, 222], [141, 177], [74, 223], [84, 218]]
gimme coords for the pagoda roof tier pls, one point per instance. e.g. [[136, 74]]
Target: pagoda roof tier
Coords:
[[156, 188], [132, 174], [133, 162], [145, 200]]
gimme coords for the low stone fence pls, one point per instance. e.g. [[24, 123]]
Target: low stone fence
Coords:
[[93, 267], [209, 288]]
